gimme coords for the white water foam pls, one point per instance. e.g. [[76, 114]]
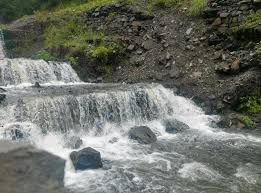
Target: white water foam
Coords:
[[198, 171]]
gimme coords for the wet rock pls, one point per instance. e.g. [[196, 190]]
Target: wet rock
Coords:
[[37, 85], [114, 140], [2, 90], [16, 132], [87, 158], [142, 134], [175, 126], [25, 169], [73, 142], [2, 97], [232, 121]]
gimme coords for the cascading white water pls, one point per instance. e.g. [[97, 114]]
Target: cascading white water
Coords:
[[21, 71], [201, 159], [2, 45]]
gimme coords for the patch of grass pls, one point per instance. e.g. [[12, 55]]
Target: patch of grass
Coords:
[[73, 9], [247, 121], [69, 38], [44, 55], [197, 6], [250, 104]]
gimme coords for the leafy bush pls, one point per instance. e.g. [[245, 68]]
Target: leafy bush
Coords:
[[44, 55], [251, 104], [247, 121]]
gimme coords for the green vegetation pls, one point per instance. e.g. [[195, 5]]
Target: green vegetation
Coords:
[[252, 20], [71, 40], [14, 9], [250, 104], [44, 55], [197, 6], [73, 9], [247, 121]]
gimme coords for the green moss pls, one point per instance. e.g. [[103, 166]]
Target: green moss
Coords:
[[247, 121], [250, 104]]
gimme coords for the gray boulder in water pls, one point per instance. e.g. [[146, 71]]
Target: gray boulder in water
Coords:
[[25, 169], [2, 97], [73, 142], [142, 134], [175, 126], [87, 158]]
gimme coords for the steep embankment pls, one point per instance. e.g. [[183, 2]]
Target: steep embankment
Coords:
[[214, 58]]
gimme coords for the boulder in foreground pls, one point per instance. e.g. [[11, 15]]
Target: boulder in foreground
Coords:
[[142, 134], [25, 169], [87, 158]]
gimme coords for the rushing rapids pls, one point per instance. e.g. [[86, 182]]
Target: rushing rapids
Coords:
[[199, 160]]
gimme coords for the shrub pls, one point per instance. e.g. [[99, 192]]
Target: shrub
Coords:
[[251, 104], [247, 121], [44, 55]]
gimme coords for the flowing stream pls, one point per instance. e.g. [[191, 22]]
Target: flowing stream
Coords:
[[199, 160]]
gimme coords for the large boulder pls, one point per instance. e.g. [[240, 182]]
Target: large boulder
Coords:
[[142, 134], [25, 169], [175, 126], [87, 158], [73, 142]]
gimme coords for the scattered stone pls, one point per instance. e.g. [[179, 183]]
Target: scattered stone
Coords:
[[148, 44], [25, 169], [87, 158], [139, 52], [142, 134], [217, 22], [189, 30], [73, 142], [175, 126], [168, 56], [131, 47]]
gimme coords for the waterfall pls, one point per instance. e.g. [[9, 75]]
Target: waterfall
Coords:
[[89, 110], [2, 45], [20, 70]]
